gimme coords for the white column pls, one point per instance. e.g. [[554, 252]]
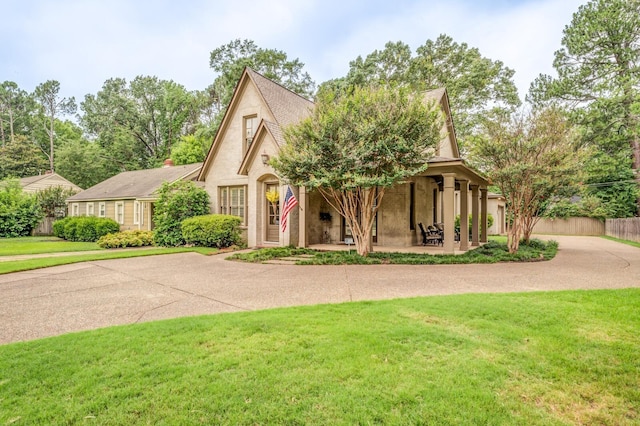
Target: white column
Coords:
[[448, 211], [483, 216], [475, 241], [464, 215]]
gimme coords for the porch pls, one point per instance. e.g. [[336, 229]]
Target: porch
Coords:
[[417, 249]]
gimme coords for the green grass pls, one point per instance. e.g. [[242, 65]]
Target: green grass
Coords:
[[37, 245], [618, 240], [531, 359], [492, 252], [29, 264]]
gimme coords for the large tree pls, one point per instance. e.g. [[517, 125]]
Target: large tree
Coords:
[[598, 70], [475, 84], [52, 105], [356, 146], [21, 158], [138, 123], [532, 158], [15, 111], [229, 60]]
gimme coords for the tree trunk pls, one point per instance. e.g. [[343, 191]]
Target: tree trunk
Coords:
[[51, 136]]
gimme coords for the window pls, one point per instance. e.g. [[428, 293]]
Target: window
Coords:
[[102, 210], [233, 201], [250, 127], [119, 216], [75, 209], [89, 209], [136, 212]]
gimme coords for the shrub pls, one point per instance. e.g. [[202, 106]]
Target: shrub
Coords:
[[84, 228], [176, 202], [52, 201], [19, 211], [489, 223], [214, 230], [58, 227], [126, 239]]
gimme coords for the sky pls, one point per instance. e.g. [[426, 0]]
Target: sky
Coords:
[[82, 43]]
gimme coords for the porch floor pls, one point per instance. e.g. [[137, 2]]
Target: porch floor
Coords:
[[428, 249]]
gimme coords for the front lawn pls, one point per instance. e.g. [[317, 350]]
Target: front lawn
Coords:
[[552, 358], [37, 245], [492, 252]]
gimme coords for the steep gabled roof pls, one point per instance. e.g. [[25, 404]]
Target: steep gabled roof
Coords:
[[135, 184], [46, 180], [286, 107], [441, 96]]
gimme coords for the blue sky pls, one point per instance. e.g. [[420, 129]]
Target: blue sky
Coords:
[[82, 43]]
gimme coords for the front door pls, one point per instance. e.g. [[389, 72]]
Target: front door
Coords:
[[273, 213]]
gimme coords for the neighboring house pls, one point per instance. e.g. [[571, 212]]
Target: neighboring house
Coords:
[[47, 180], [237, 177], [129, 196]]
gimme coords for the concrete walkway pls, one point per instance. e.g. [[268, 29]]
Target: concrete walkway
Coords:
[[90, 295]]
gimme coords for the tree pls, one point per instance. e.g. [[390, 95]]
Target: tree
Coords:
[[531, 158], [138, 123], [84, 163], [52, 201], [51, 106], [355, 147], [190, 149], [475, 84], [15, 110], [21, 158], [176, 202], [230, 60], [599, 77]]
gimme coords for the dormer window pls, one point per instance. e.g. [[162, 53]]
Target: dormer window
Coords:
[[250, 127]]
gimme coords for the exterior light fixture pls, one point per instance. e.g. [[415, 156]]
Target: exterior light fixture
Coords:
[[265, 158]]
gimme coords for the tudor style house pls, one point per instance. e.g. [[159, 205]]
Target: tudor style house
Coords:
[[129, 197], [237, 175]]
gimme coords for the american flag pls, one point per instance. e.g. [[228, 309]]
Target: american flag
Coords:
[[289, 203]]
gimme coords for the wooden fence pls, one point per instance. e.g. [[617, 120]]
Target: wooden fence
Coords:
[[45, 227], [625, 229], [570, 226]]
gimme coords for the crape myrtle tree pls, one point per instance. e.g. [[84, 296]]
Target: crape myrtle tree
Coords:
[[531, 158], [353, 147], [598, 78]]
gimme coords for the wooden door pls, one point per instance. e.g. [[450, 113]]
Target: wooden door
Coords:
[[273, 215]]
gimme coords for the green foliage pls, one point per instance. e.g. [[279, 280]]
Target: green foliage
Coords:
[[84, 163], [138, 123], [19, 211], [21, 158], [215, 230], [457, 223], [135, 238], [475, 84], [492, 252], [190, 149], [52, 200], [176, 202], [84, 228], [532, 159], [355, 146], [16, 113], [230, 60], [598, 79]]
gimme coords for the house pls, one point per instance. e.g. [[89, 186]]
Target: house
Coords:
[[48, 180], [129, 196], [237, 176]]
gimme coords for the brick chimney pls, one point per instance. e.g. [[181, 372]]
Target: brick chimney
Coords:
[[167, 163]]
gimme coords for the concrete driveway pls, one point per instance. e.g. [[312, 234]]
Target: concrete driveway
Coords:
[[90, 295]]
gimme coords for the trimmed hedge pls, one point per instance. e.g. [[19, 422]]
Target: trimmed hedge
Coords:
[[213, 230], [134, 238], [84, 228]]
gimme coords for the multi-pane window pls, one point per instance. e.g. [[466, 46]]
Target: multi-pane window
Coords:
[[102, 210], [250, 127], [136, 212], [233, 201], [75, 209], [89, 209], [119, 216]]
